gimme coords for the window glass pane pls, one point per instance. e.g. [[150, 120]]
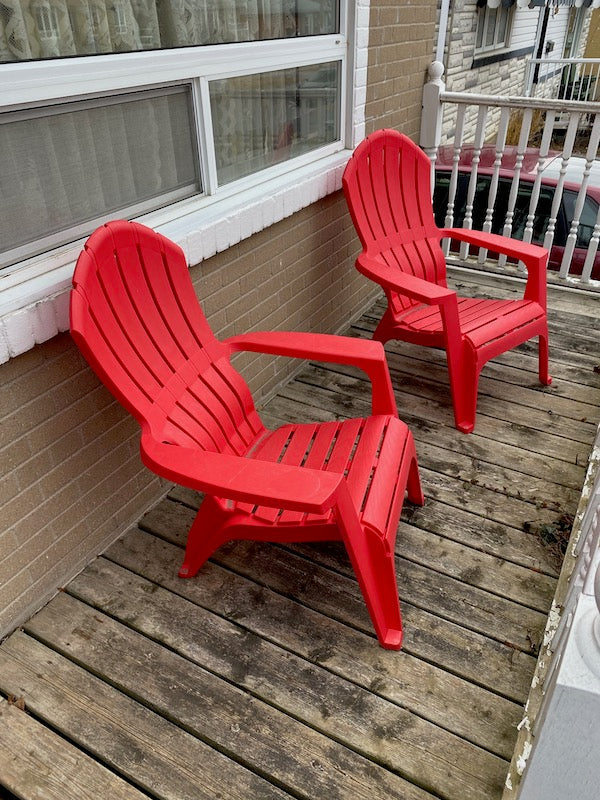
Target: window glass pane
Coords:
[[480, 29], [502, 27], [58, 28], [260, 120], [65, 166], [491, 26]]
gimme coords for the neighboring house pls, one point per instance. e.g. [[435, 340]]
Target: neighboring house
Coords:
[[488, 43], [592, 47], [226, 125]]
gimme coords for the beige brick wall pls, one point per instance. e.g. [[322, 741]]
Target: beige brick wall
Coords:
[[72, 479], [71, 474], [401, 46]]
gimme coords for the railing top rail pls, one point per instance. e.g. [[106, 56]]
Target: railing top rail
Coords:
[[556, 60], [519, 101], [546, 60]]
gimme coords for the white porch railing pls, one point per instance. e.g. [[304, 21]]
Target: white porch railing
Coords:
[[564, 78], [559, 738], [554, 202]]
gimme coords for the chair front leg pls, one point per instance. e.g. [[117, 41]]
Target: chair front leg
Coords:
[[463, 374], [205, 536], [372, 559], [465, 394], [545, 378], [385, 328]]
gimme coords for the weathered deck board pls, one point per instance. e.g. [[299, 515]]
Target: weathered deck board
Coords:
[[30, 754], [118, 729], [412, 683], [261, 677]]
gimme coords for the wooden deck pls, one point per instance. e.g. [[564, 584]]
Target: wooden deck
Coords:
[[261, 678]]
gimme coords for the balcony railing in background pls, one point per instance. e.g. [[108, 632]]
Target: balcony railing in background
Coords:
[[563, 78], [561, 212]]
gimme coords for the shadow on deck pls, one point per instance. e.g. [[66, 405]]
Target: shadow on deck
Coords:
[[261, 677]]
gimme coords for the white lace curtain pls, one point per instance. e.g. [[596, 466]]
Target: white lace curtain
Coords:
[[34, 29], [61, 170], [260, 120]]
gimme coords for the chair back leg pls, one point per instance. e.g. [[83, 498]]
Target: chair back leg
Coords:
[[413, 485]]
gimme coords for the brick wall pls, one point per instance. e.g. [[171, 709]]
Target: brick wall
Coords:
[[71, 473], [72, 477], [401, 46]]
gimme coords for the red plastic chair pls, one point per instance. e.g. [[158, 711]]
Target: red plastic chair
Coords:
[[387, 184], [136, 318]]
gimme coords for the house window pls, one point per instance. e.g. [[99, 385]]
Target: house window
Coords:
[[68, 167], [493, 28], [118, 108]]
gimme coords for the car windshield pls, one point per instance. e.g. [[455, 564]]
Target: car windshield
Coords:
[[521, 211]]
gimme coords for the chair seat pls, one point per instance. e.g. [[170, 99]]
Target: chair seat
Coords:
[[369, 451], [481, 320]]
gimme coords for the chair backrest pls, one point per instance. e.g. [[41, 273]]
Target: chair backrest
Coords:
[[136, 318], [387, 184]]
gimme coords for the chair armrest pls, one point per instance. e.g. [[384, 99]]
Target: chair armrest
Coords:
[[366, 354], [242, 479], [499, 244], [398, 281], [533, 256]]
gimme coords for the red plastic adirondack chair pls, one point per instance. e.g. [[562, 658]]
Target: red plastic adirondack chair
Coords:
[[136, 318], [387, 184]]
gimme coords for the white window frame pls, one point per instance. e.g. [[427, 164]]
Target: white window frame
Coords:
[[483, 18], [34, 292]]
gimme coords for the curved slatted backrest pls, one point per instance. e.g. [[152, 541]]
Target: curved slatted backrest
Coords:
[[136, 318], [387, 188]]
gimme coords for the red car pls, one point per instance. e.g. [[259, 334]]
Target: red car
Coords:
[[550, 174]]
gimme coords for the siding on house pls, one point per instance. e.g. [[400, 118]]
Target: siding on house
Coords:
[[500, 77], [525, 29], [73, 481]]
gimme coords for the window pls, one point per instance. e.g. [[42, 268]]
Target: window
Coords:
[[66, 168], [493, 28], [116, 108]]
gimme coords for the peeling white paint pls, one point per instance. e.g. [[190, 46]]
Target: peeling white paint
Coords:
[[551, 624], [522, 759], [524, 724], [508, 782]]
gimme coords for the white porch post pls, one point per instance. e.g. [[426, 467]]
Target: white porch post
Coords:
[[431, 116]]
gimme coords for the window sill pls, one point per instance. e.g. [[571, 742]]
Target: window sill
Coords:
[[483, 59], [34, 296]]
